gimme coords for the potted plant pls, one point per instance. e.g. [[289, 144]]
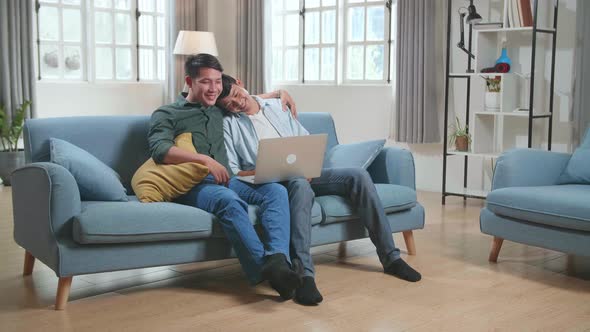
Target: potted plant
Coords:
[[10, 132], [492, 97], [460, 137]]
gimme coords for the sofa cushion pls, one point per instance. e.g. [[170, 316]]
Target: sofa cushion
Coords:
[[577, 170], [565, 206], [393, 197], [359, 154], [96, 181], [127, 222]]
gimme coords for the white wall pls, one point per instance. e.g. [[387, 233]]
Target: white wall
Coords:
[[81, 99]]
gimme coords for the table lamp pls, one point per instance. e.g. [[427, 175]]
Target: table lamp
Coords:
[[195, 42]]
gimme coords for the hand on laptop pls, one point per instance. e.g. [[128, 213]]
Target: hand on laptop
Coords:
[[218, 171], [247, 173]]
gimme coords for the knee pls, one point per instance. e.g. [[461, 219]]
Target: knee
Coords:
[[278, 193], [300, 188], [229, 200], [361, 175]]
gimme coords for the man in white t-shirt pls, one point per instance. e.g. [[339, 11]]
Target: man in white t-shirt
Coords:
[[250, 119]]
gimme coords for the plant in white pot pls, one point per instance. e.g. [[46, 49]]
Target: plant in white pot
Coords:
[[10, 132], [492, 97]]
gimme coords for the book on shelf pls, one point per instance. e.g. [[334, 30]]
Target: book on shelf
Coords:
[[527, 13], [519, 13]]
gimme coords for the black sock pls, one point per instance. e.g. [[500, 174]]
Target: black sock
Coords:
[[308, 293], [278, 272], [402, 270]]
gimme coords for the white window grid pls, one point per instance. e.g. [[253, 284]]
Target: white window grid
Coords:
[[341, 44], [114, 45], [364, 43], [320, 45], [280, 52], [157, 46], [60, 43], [88, 46]]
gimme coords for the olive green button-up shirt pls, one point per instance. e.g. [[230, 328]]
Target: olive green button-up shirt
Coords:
[[204, 123]]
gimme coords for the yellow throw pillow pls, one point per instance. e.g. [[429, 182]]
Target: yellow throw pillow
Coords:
[[163, 183]]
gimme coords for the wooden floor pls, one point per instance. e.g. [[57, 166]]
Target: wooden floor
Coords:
[[529, 289]]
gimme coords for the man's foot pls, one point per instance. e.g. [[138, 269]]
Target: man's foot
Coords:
[[278, 272], [308, 293], [402, 270]]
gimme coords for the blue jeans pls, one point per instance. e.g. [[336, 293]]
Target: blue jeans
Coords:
[[353, 183], [232, 213], [273, 212]]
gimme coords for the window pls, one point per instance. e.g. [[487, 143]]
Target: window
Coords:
[[365, 41], [320, 40], [286, 44], [332, 41], [61, 40], [101, 40]]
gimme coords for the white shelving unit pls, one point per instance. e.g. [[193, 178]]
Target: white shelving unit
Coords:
[[494, 132]]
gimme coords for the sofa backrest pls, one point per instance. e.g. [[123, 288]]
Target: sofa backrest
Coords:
[[121, 141], [320, 123], [118, 141]]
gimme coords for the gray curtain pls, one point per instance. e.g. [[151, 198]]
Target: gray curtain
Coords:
[[251, 58], [17, 58], [188, 15], [582, 72], [417, 75]]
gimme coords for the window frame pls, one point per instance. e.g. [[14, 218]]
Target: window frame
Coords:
[[60, 43], [321, 45], [341, 43], [113, 45], [88, 43], [283, 48], [365, 43]]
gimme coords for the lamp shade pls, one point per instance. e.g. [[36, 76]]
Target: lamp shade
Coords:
[[194, 42], [473, 17]]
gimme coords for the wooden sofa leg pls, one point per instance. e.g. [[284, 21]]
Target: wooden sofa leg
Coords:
[[410, 245], [63, 292], [496, 246], [342, 250], [29, 263]]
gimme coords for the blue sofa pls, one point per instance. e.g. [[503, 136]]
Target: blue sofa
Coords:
[[75, 237], [527, 205]]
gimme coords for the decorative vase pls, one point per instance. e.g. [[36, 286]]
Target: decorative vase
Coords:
[[9, 161], [492, 101], [504, 59], [462, 143]]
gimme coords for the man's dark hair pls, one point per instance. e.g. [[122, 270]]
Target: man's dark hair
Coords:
[[226, 81], [195, 62]]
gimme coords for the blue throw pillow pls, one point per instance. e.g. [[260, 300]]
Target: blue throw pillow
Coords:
[[96, 181], [577, 170], [354, 155]]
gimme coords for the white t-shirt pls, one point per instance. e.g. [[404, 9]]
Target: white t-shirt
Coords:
[[264, 129]]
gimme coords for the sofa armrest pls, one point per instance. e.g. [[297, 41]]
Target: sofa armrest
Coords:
[[528, 168], [395, 166], [45, 197]]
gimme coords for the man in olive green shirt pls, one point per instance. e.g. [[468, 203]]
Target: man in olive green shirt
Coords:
[[196, 113]]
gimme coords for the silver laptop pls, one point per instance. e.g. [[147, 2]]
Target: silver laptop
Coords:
[[281, 159]]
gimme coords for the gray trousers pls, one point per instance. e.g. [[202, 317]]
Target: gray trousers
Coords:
[[355, 184]]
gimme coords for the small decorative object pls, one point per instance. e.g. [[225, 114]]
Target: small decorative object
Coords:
[[50, 59], [73, 62], [10, 132], [524, 103], [492, 97], [460, 137], [503, 64]]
